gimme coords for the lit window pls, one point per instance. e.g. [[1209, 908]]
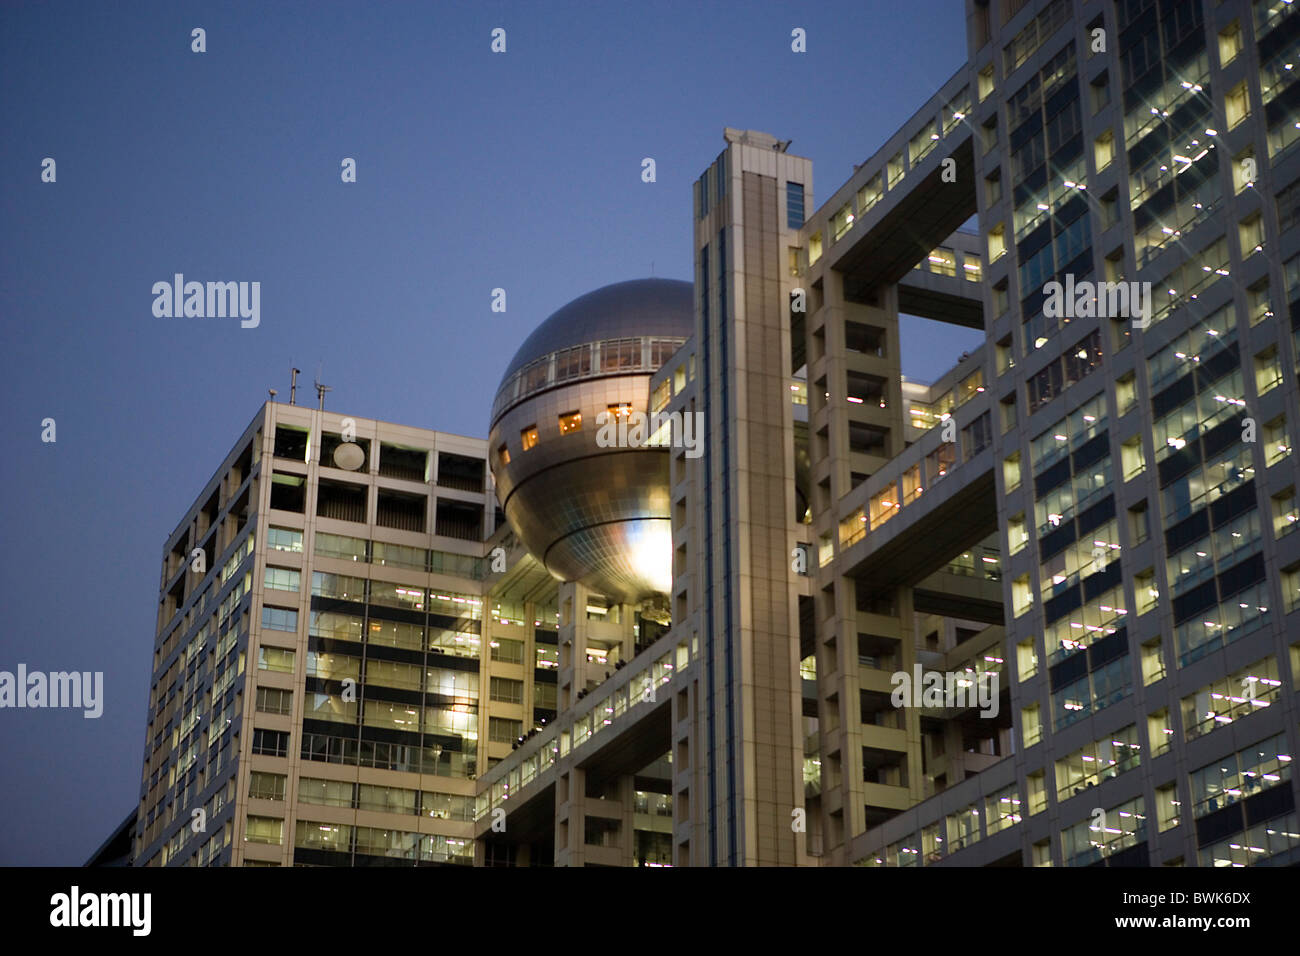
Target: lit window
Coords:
[[621, 410], [570, 422], [529, 437], [503, 453]]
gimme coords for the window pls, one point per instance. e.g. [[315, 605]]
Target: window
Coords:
[[503, 455], [1104, 150], [528, 437], [508, 651], [268, 830], [841, 221], [1237, 104], [1012, 471], [1229, 43], [1145, 593], [273, 700], [977, 436], [1237, 776], [870, 194], [997, 242], [282, 579], [1285, 514], [1244, 170], [894, 170], [275, 659], [1250, 232], [1132, 458], [1125, 394], [1026, 659], [939, 462], [992, 190], [1097, 762], [502, 730], [1017, 537], [1022, 595], [1268, 370], [1277, 445], [279, 619], [1088, 841], [1031, 725], [1231, 698], [884, 505], [266, 786], [572, 421], [506, 690], [270, 743], [793, 205], [341, 546], [1168, 807], [1257, 303], [284, 539]]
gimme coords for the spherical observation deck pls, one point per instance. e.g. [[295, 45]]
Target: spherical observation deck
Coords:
[[588, 513]]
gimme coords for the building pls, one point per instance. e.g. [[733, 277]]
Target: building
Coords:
[[116, 850], [319, 665], [1085, 525], [1044, 611]]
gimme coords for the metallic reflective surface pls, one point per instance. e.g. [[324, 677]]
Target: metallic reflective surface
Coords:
[[591, 514]]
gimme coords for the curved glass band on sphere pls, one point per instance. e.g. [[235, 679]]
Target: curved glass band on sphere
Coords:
[[598, 515]]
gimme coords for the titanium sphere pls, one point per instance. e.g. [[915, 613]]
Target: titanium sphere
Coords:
[[591, 514]]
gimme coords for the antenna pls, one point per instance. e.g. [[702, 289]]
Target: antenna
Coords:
[[321, 389], [273, 393], [293, 386]]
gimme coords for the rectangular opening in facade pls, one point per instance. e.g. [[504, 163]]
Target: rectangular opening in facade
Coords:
[[408, 464], [458, 519], [401, 511], [291, 442], [341, 500], [460, 472], [289, 493]]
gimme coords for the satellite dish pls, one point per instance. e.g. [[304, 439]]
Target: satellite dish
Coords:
[[349, 456]]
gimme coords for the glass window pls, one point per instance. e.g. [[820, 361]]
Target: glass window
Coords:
[[507, 690], [571, 422], [282, 579], [279, 619], [275, 659], [266, 786], [507, 651], [504, 730], [269, 830], [284, 539], [794, 211]]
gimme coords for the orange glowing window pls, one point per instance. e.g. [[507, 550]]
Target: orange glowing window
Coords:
[[570, 422]]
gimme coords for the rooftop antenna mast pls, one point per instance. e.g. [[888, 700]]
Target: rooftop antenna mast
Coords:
[[293, 386], [321, 389]]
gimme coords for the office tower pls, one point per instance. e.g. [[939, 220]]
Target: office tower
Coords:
[[318, 666], [1078, 540]]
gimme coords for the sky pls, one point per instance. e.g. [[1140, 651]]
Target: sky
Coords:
[[475, 171]]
